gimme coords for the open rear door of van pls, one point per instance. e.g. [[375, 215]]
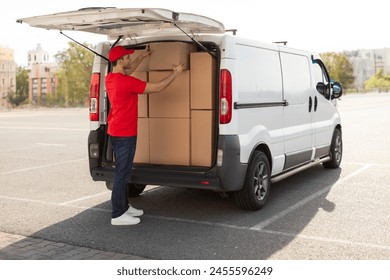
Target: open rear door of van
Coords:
[[127, 22]]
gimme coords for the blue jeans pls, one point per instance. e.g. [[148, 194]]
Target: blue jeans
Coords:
[[124, 151]]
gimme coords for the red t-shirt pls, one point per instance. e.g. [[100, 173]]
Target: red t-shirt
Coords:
[[123, 93]]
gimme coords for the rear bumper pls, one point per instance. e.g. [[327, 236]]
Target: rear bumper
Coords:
[[150, 176], [228, 177]]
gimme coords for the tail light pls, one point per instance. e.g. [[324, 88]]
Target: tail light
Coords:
[[94, 97], [225, 97]]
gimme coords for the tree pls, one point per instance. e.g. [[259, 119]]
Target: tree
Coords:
[[339, 68], [21, 94], [74, 75], [380, 81]]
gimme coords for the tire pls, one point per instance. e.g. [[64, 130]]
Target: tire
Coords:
[[135, 190], [336, 151], [255, 191], [109, 185]]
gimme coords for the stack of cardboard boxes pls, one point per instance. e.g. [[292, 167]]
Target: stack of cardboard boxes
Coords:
[[176, 126]]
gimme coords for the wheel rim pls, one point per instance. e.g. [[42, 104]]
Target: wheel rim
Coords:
[[338, 149], [261, 181]]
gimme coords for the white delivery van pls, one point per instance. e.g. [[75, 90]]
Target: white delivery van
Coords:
[[243, 114]]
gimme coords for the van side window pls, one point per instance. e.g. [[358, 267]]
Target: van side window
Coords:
[[296, 78], [259, 77]]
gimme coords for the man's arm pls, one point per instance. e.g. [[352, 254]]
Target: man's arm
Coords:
[[134, 64], [164, 83]]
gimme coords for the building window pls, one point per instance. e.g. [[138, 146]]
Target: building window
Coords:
[[43, 85], [35, 91], [52, 85]]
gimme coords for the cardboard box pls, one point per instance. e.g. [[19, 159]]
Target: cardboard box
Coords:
[[170, 141], [202, 137], [174, 101], [142, 154], [140, 75], [143, 100], [143, 111], [144, 66], [203, 81], [165, 54]]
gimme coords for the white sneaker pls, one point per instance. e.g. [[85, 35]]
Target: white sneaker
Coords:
[[134, 212], [125, 220]]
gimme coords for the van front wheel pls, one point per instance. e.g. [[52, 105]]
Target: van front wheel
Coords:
[[255, 191], [336, 151]]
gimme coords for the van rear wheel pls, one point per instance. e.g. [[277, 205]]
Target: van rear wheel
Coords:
[[135, 189], [255, 191]]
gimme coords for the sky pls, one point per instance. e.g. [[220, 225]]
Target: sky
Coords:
[[314, 25]]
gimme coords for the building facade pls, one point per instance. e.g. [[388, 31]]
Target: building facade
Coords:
[[7, 75], [42, 76], [366, 63]]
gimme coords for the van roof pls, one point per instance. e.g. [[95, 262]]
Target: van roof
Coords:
[[127, 22]]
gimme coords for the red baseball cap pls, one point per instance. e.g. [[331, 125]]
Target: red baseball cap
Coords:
[[117, 52]]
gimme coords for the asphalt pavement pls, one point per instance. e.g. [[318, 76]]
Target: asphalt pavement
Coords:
[[51, 209]]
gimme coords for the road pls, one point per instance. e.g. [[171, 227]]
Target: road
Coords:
[[46, 193]]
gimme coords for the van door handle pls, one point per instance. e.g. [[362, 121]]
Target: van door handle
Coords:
[[310, 103], [315, 103]]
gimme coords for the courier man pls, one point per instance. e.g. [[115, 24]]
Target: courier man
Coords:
[[123, 91]]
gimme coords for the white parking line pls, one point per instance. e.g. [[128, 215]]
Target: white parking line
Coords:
[[43, 128], [42, 166], [68, 203], [302, 202], [148, 189], [36, 145], [328, 240], [257, 228], [365, 163], [56, 204], [19, 149], [51, 144], [28, 200], [83, 198], [274, 232], [204, 223]]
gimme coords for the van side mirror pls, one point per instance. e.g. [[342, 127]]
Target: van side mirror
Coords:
[[322, 88], [337, 90]]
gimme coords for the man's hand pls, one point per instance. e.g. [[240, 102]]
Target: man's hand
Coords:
[[164, 83], [147, 52], [178, 69]]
